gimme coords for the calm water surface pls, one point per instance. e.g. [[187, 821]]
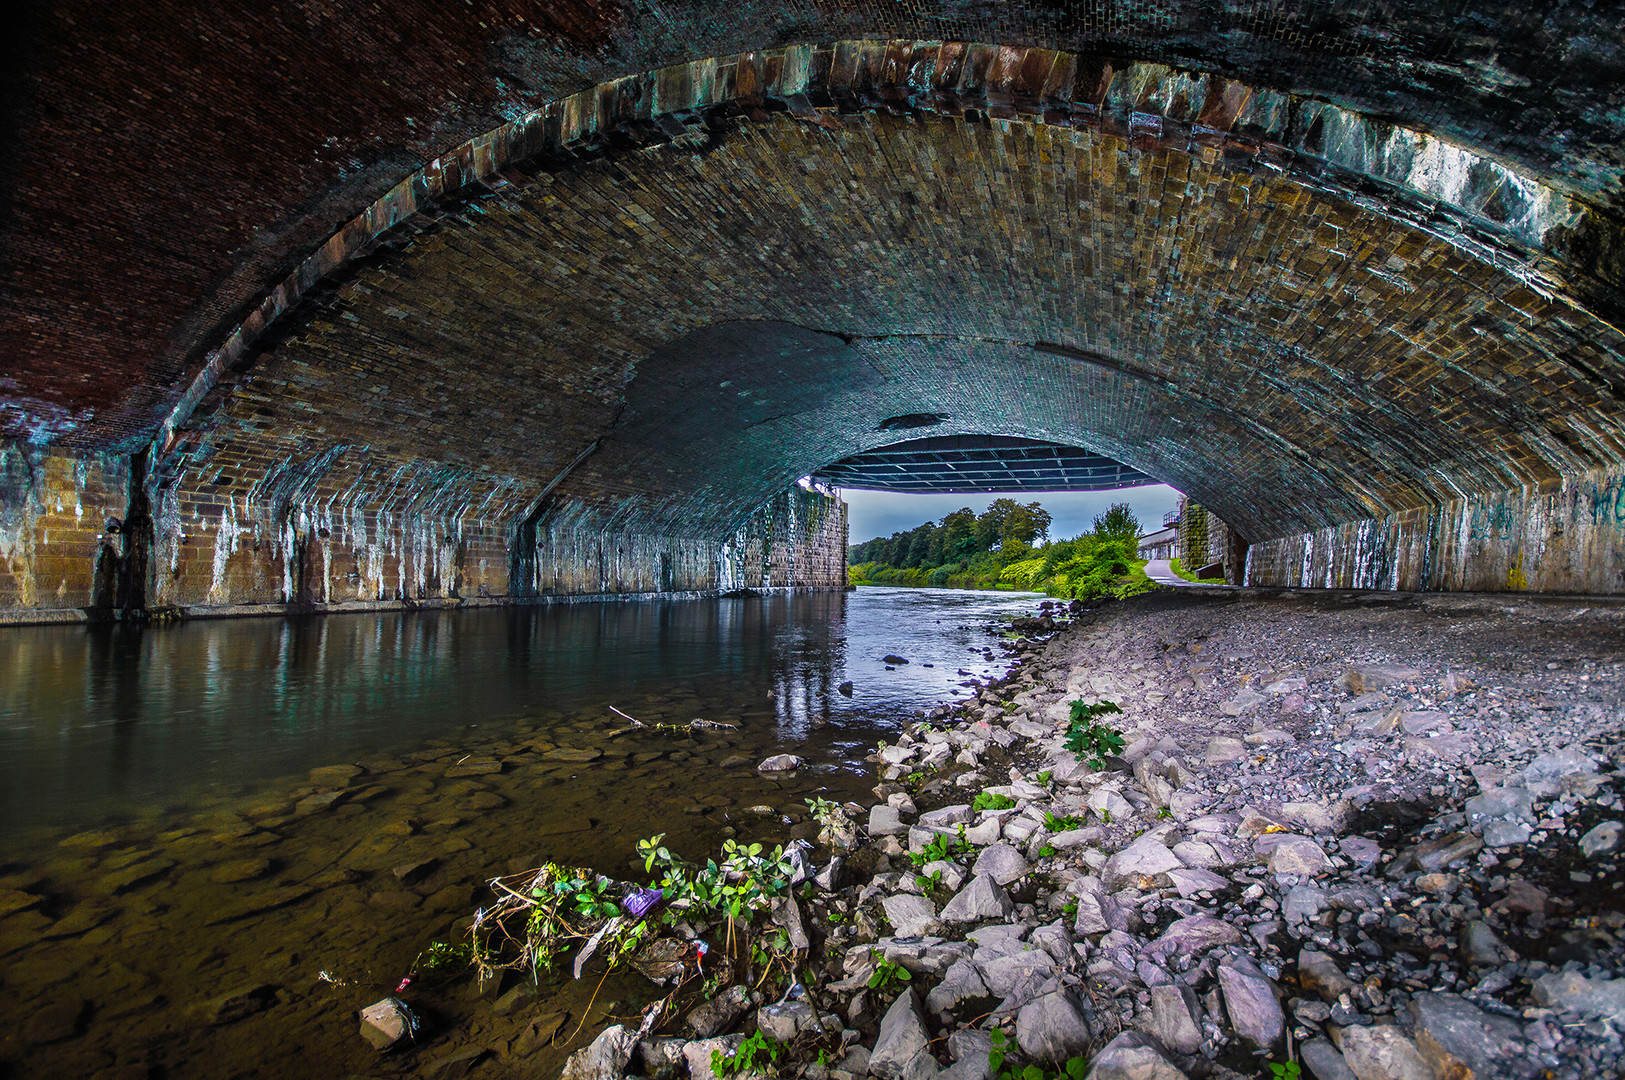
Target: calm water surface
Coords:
[[165, 845], [108, 723]]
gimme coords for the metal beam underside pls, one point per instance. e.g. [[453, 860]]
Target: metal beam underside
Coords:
[[948, 463]]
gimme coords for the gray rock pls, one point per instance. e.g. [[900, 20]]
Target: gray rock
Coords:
[[999, 939], [605, 1058], [1462, 1041], [781, 763], [984, 832], [1421, 723], [719, 1014], [1008, 975], [902, 1050], [662, 1057], [697, 1055], [1075, 838], [1501, 802], [1176, 1016], [1382, 1053], [1452, 746], [969, 1067], [1304, 902], [1192, 936], [1312, 816], [948, 816], [1501, 833], [886, 821], [1480, 947], [1002, 863], [960, 983], [1054, 939], [1320, 975], [911, 916], [1245, 701], [1298, 855], [1222, 748], [829, 878], [1190, 881], [1133, 1055], [1547, 773], [969, 1042], [1364, 851], [981, 899], [1097, 914], [1324, 1062], [385, 1023], [1139, 864], [856, 1061], [952, 875], [786, 1020], [1250, 1002], [1572, 992], [1053, 1028], [1601, 840], [1364, 678], [1430, 856]]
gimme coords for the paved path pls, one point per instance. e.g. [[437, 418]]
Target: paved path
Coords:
[[1159, 571]]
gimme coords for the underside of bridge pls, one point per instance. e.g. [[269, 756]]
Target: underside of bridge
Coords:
[[338, 303]]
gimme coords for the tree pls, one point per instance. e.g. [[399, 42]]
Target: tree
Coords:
[[959, 535], [1023, 526], [919, 545], [1117, 523], [990, 524]]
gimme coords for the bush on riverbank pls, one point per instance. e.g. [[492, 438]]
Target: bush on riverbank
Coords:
[[1099, 564]]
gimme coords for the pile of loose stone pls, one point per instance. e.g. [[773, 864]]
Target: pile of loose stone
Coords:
[[1378, 840]]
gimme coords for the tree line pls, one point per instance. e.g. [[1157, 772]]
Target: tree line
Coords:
[[1007, 527], [1007, 546]]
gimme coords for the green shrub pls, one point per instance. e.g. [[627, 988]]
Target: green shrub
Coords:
[[1090, 739]]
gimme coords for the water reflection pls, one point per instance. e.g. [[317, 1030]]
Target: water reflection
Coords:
[[120, 721]]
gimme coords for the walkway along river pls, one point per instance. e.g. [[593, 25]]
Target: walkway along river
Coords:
[[218, 839]]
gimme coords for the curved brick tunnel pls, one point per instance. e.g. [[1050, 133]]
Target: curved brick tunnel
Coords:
[[1351, 280]]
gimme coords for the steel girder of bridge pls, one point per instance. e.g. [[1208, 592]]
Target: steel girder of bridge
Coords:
[[947, 463]]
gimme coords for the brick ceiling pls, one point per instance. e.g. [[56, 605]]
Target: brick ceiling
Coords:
[[1224, 296]]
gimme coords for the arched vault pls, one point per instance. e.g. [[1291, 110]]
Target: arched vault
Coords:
[[647, 307]]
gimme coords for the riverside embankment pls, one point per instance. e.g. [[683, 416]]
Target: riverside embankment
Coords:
[[1376, 836]]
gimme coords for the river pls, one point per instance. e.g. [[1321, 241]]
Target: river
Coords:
[[272, 817]]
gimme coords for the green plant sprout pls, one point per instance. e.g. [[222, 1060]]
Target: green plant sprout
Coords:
[[887, 972], [757, 1054], [1060, 824], [940, 849], [1090, 739], [1075, 1068], [988, 800]]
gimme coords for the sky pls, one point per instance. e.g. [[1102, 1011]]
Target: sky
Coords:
[[881, 513]]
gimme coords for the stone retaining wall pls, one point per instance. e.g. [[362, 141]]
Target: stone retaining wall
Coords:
[[74, 547], [1563, 537]]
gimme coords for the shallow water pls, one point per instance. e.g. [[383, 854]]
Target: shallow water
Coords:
[[165, 843]]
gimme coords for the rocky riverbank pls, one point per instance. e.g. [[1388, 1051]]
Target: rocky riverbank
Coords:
[[1363, 836]]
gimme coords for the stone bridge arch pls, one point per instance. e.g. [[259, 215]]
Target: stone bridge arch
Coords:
[[591, 349]]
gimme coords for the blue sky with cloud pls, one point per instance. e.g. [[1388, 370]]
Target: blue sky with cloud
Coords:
[[881, 513]]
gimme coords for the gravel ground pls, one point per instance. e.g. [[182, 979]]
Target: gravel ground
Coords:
[[1370, 836]]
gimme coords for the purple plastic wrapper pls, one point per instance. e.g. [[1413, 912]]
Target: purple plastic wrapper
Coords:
[[641, 902]]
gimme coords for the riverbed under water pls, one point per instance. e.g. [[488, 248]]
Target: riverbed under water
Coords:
[[165, 843]]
